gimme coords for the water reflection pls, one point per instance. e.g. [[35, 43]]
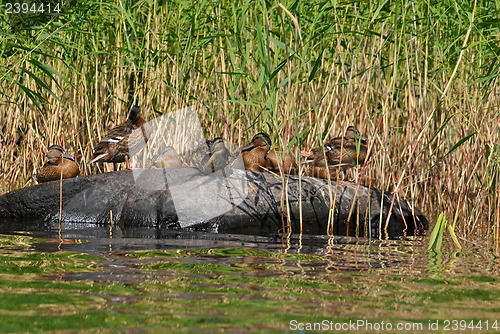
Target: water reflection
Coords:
[[208, 279], [335, 253]]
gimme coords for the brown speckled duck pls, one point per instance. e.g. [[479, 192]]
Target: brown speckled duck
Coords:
[[118, 142], [168, 158], [340, 152], [255, 153], [216, 157], [258, 156], [60, 163]]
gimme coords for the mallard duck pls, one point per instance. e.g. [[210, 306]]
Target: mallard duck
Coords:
[[60, 163], [216, 157], [340, 152], [255, 153], [168, 158], [121, 141], [258, 156]]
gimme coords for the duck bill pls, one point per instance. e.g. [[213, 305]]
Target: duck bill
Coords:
[[360, 138], [248, 147], [68, 156]]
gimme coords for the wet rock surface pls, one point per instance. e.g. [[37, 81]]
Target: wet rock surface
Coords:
[[242, 202]]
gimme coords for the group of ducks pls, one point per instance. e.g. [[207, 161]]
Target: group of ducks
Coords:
[[340, 153]]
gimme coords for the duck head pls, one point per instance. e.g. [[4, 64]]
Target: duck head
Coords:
[[259, 140], [352, 133], [56, 153], [133, 117], [216, 145]]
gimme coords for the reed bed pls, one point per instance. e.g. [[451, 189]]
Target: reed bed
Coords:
[[419, 80]]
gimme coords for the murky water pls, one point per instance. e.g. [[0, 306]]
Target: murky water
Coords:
[[96, 279]]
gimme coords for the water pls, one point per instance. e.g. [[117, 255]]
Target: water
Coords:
[[90, 280]]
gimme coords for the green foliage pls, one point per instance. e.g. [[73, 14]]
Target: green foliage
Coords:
[[436, 238], [256, 36]]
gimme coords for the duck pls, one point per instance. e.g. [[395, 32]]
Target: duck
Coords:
[[121, 141], [60, 164], [258, 156], [168, 158], [255, 153], [340, 153], [216, 157]]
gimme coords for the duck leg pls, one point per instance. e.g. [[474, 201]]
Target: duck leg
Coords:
[[127, 163]]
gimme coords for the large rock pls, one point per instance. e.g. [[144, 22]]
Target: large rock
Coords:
[[242, 202]]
